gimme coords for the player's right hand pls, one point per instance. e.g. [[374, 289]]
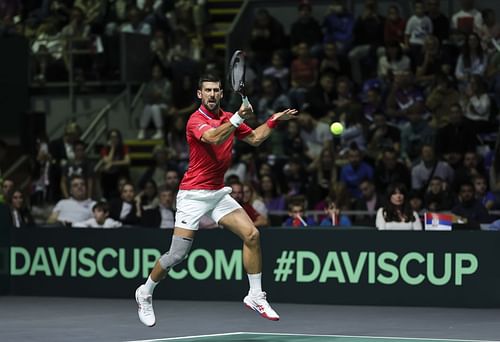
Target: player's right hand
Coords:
[[245, 112]]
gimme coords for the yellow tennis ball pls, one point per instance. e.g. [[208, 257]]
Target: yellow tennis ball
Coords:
[[336, 128]]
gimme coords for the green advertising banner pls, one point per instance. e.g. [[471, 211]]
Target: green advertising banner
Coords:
[[300, 265]]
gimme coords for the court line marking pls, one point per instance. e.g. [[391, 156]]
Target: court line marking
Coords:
[[315, 335]]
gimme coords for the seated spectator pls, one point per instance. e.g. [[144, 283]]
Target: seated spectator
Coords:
[[315, 134], [415, 134], [296, 215], [176, 141], [295, 179], [114, 163], [321, 98], [303, 73], [172, 179], [440, 22], [440, 100], [394, 61], [494, 172], [490, 30], [76, 208], [417, 28], [306, 28], [340, 192], [416, 201], [482, 192], [135, 23], [267, 34], [455, 138], [394, 27], [126, 209], [272, 99], [333, 62], [323, 171], [157, 102], [20, 215], [251, 197], [334, 218], [476, 105], [370, 201], [293, 144], [468, 207], [257, 219], [432, 61], [468, 19], [148, 197], [163, 158], [278, 70], [338, 25], [373, 104], [389, 170], [470, 168], [403, 97], [163, 215], [353, 173], [428, 167], [7, 188], [397, 213], [42, 187], [382, 136], [101, 218], [438, 197], [271, 195], [80, 166], [472, 60]]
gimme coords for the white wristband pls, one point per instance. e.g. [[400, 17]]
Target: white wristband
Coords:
[[236, 120]]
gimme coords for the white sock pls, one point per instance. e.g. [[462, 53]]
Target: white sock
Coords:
[[149, 286], [255, 281]]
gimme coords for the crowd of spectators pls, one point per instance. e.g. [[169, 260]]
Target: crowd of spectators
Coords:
[[417, 94]]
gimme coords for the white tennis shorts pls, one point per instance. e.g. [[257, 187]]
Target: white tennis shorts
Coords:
[[193, 204]]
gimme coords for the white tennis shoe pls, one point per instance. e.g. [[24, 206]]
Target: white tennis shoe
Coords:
[[259, 304], [145, 307]]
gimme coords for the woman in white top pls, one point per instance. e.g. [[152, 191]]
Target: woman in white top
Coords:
[[397, 213], [472, 60]]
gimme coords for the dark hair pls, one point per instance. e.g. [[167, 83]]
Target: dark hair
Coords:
[[101, 205], [209, 78], [77, 177], [80, 142], [391, 212], [127, 183], [164, 188], [396, 45], [466, 183], [466, 50], [119, 153]]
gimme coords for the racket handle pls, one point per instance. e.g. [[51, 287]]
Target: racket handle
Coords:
[[246, 103]]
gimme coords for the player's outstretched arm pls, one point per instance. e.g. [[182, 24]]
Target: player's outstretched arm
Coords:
[[220, 134], [261, 133]]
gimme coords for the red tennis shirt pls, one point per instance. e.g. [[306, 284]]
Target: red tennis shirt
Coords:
[[208, 162]]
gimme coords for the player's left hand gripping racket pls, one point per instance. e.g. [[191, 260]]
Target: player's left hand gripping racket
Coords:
[[237, 75]]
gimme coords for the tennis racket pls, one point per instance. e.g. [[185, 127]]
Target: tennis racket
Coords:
[[237, 75]]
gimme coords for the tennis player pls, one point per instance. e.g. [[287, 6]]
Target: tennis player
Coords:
[[210, 132]]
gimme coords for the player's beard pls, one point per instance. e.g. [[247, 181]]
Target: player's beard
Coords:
[[212, 105]]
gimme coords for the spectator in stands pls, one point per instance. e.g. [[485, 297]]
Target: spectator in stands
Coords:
[[306, 28], [338, 26], [77, 208], [321, 98], [490, 30], [455, 138], [271, 194], [441, 99], [176, 140], [60, 151], [476, 105], [315, 134], [369, 201], [357, 170], [468, 19], [257, 219], [47, 48], [494, 172], [135, 24], [157, 102], [418, 27], [431, 61], [473, 60], [471, 167], [440, 22], [429, 167], [469, 208], [114, 163], [148, 197], [127, 209], [101, 218], [163, 162], [272, 100], [7, 188], [373, 103], [438, 196], [333, 216], [394, 28], [293, 144], [172, 179], [390, 170], [296, 215], [295, 180], [416, 201], [368, 38], [42, 186], [20, 215], [403, 96], [303, 74], [267, 34], [382, 136], [251, 197], [415, 134], [278, 70], [80, 166], [323, 171], [397, 213], [482, 193], [94, 12], [163, 215], [394, 61], [333, 62]]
